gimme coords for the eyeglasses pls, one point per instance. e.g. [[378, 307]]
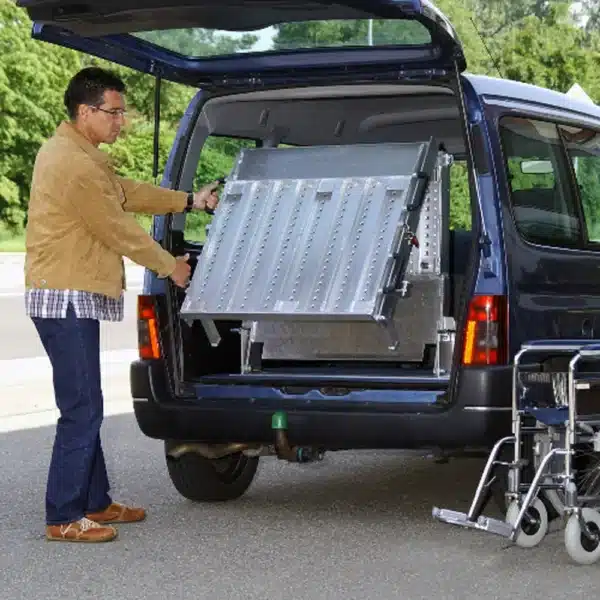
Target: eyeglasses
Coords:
[[113, 112]]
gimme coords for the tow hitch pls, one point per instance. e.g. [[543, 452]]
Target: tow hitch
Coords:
[[283, 450]]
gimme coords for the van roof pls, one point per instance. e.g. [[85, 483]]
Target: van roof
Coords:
[[506, 89]]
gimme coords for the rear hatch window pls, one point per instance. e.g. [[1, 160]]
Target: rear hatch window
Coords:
[[304, 35]]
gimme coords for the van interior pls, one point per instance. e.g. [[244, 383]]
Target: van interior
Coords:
[[424, 321]]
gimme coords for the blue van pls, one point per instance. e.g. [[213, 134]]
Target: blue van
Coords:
[[332, 307]]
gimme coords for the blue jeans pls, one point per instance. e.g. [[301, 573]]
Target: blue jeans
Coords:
[[77, 479]]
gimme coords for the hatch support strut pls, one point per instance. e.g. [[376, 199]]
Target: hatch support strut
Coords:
[[157, 89]]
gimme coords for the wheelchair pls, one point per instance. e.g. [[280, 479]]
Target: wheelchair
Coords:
[[556, 418]]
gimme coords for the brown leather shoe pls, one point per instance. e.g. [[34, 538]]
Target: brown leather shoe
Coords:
[[83, 530], [118, 513]]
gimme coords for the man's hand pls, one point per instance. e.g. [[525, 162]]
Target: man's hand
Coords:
[[206, 197], [181, 274]]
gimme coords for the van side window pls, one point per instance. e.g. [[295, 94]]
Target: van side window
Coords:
[[216, 160], [542, 201], [583, 147]]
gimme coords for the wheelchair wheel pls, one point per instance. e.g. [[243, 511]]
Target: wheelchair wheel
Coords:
[[582, 549], [534, 525], [553, 505], [586, 464]]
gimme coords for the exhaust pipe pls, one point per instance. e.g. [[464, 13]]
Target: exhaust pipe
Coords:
[[210, 451], [283, 448]]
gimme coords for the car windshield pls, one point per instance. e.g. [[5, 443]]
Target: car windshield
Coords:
[[198, 42]]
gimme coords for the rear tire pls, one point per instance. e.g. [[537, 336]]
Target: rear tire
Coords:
[[203, 479]]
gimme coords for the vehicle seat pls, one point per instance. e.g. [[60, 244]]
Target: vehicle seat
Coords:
[[541, 211], [540, 198]]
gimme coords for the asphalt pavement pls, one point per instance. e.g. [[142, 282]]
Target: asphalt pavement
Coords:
[[357, 526]]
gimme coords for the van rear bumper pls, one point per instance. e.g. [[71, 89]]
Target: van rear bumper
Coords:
[[479, 416]]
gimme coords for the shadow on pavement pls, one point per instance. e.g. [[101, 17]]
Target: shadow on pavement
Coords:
[[366, 482]]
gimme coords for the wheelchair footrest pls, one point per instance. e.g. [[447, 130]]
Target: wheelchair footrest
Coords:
[[453, 517]]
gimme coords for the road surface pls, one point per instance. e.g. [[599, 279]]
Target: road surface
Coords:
[[356, 527]]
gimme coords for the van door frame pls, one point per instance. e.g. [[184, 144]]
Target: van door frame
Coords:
[[178, 170], [182, 163]]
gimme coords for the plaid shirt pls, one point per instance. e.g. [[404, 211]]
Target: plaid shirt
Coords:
[[52, 304]]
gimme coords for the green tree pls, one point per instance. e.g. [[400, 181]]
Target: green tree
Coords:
[[552, 52], [460, 206], [498, 16], [218, 157], [461, 16], [32, 80], [346, 33], [587, 14], [199, 42], [188, 42], [33, 76], [588, 178], [132, 153]]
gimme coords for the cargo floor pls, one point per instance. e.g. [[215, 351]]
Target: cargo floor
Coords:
[[350, 377]]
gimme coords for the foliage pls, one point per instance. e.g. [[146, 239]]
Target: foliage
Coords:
[[32, 80], [588, 177], [497, 16], [218, 156], [589, 14], [132, 152], [538, 41], [555, 57], [344, 33], [460, 207], [198, 42]]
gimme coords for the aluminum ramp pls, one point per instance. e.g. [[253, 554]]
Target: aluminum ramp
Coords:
[[318, 234], [418, 317]]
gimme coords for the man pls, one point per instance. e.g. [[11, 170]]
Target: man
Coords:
[[79, 228]]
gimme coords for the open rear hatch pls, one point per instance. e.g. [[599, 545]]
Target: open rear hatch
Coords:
[[146, 35]]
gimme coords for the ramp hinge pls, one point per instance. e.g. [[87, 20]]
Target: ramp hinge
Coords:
[[423, 181], [447, 159], [403, 290]]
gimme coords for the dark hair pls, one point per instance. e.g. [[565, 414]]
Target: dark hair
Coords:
[[88, 87]]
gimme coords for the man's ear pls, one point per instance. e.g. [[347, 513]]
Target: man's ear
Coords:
[[83, 112]]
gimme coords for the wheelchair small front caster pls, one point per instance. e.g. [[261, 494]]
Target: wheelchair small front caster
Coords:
[[582, 549]]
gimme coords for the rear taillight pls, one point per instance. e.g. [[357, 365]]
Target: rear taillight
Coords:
[[485, 332], [148, 344]]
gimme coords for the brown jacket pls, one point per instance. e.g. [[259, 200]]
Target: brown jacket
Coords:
[[80, 223]]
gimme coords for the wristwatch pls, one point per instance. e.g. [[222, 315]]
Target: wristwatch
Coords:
[[190, 202], [190, 205]]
